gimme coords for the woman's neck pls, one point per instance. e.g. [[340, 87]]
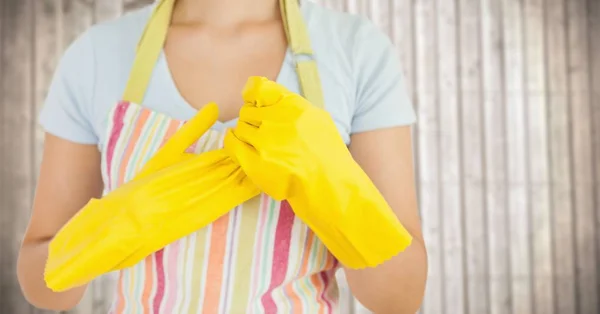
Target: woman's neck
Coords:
[[225, 12]]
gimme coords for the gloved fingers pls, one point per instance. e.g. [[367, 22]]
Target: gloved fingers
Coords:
[[248, 134], [191, 131], [256, 115], [261, 92], [243, 153]]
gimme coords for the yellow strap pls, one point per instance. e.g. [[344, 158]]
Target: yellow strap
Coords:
[[155, 34], [148, 51]]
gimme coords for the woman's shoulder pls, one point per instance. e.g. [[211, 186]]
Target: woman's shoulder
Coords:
[[131, 23], [341, 39], [112, 41], [103, 53], [119, 34], [358, 62]]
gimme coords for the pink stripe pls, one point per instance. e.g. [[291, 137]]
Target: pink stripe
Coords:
[[283, 237], [326, 276], [118, 124], [173, 283], [258, 248], [160, 281]]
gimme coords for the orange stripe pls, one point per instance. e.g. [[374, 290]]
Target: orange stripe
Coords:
[[173, 127], [216, 262], [148, 282], [120, 295], [289, 289], [133, 139], [310, 238]]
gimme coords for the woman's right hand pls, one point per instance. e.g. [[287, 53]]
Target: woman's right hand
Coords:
[[69, 177]]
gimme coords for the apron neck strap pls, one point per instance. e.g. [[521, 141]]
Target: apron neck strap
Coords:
[[153, 40]]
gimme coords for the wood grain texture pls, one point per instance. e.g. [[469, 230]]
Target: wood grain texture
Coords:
[[427, 98], [450, 166], [16, 123], [472, 148], [538, 160], [507, 145], [582, 190], [516, 159], [593, 15], [495, 121], [561, 175]]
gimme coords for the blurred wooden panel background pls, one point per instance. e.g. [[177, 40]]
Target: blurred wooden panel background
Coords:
[[508, 143]]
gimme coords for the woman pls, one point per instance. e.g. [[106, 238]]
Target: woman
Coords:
[[241, 263]]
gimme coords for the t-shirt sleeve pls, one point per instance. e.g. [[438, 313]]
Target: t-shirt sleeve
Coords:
[[382, 99], [66, 112]]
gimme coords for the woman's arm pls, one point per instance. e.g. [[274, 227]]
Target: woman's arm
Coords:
[[69, 177], [397, 286]]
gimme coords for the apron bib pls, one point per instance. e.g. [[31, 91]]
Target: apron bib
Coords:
[[258, 258]]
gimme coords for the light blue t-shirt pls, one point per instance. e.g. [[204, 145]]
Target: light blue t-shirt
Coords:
[[359, 67]]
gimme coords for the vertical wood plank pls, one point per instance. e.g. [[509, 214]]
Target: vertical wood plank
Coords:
[[538, 163], [428, 134], [516, 128], [495, 158], [16, 121], [472, 156], [5, 211], [593, 9], [560, 163], [582, 153], [450, 156]]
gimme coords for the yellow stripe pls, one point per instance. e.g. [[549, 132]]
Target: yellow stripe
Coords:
[[247, 233]]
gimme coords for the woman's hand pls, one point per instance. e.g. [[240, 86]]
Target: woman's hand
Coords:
[[292, 151], [285, 138]]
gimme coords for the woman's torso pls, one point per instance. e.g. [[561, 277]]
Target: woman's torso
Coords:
[[259, 258]]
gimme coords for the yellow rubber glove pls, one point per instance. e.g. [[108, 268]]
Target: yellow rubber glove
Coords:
[[293, 151], [174, 195]]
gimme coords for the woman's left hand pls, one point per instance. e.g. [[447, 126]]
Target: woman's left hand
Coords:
[[282, 139], [292, 150]]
